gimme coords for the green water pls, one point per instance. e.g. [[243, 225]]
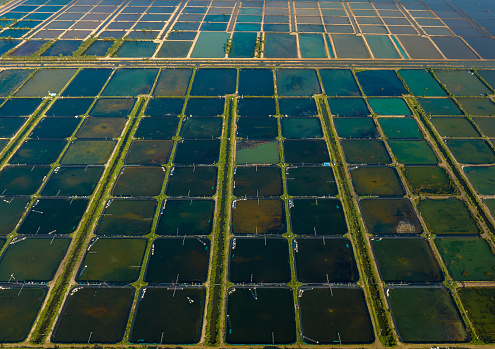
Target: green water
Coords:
[[348, 107], [22, 180], [264, 216], [381, 181], [46, 80], [149, 152], [400, 128], [127, 217], [454, 127], [334, 315], [130, 82], [116, 107], [139, 181], [257, 152], [19, 310], [305, 151], [469, 259], [301, 128], [461, 82], [173, 82], [11, 209], [82, 152], [323, 260], [94, 314], [73, 181], [476, 106], [486, 125], [479, 302], [297, 82], [347, 84], [280, 45], [258, 260], [426, 315], [50, 216], [439, 106], [98, 127], [382, 48], [136, 49], [406, 260], [421, 83], [355, 127], [389, 106], [266, 318], [112, 260], [257, 181], [11, 79], [311, 181], [482, 178], [447, 217], [297, 107], [312, 46], [417, 152], [201, 128], [210, 45], [365, 152], [19, 107], [192, 181], [182, 260], [169, 316], [32, 259], [471, 151], [257, 128], [186, 217], [38, 152], [390, 216], [317, 217], [429, 180]]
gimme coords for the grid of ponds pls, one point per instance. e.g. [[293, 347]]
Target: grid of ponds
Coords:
[[377, 29], [126, 165]]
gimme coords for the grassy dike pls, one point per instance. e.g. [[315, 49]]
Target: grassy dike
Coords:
[[57, 296], [371, 280], [214, 327]]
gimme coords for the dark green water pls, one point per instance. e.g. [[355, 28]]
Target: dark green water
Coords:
[[181, 259], [334, 315], [169, 316], [127, 217], [32, 259], [323, 260], [406, 260], [94, 315], [264, 216], [390, 216], [258, 260], [192, 181], [112, 260], [60, 216], [426, 315], [261, 315]]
